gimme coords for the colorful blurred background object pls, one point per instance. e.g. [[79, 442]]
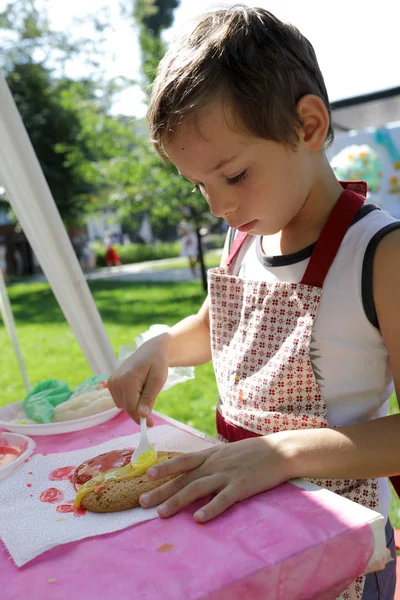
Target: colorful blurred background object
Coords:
[[359, 162]]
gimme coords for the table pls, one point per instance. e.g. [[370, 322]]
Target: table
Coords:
[[289, 542]]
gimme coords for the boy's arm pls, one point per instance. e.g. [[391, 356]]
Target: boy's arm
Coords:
[[370, 449], [188, 342], [138, 381]]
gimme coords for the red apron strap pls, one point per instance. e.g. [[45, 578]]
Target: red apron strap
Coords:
[[237, 244], [340, 219], [357, 186]]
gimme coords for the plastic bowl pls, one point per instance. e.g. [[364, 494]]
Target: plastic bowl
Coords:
[[23, 447]]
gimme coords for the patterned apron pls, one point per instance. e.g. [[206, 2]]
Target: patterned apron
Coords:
[[262, 347]]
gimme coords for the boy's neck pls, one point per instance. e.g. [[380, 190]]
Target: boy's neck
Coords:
[[306, 227]]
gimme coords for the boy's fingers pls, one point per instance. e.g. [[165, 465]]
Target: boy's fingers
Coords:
[[179, 492], [129, 402], [116, 392], [125, 395], [176, 465], [220, 503], [137, 393], [152, 387], [165, 491], [200, 488]]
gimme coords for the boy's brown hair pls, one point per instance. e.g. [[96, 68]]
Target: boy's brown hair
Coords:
[[247, 56]]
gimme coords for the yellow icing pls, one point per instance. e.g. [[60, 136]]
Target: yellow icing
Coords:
[[144, 462]]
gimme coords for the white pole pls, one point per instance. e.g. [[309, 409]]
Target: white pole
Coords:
[[8, 319], [33, 204]]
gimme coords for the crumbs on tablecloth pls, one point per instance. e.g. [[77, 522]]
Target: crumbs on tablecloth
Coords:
[[165, 548]]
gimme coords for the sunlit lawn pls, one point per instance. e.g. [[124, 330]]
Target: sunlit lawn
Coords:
[[51, 351], [211, 259]]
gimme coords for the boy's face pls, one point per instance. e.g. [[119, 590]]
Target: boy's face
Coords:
[[256, 185]]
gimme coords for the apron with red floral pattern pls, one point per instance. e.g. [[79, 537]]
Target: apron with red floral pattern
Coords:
[[261, 336]]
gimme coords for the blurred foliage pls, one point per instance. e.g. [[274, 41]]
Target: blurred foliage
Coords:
[[152, 17], [90, 158]]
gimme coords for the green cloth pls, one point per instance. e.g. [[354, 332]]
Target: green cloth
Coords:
[[40, 402]]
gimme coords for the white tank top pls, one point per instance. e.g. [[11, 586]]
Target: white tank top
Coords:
[[349, 356]]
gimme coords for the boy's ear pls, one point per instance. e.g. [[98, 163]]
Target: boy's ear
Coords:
[[315, 118]]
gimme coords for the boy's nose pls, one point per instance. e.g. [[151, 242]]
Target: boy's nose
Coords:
[[220, 208]]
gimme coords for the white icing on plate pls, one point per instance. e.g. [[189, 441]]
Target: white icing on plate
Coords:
[[13, 418]]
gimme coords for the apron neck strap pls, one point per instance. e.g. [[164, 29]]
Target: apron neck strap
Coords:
[[357, 190], [339, 221], [237, 244]]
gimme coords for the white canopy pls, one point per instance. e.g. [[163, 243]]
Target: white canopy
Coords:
[[369, 110], [34, 206], [8, 318]]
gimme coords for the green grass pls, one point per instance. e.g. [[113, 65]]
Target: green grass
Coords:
[[211, 259], [50, 349], [127, 308]]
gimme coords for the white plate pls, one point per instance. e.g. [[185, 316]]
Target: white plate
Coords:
[[21, 441], [14, 412]]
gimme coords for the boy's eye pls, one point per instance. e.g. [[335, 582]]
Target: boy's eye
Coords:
[[237, 178]]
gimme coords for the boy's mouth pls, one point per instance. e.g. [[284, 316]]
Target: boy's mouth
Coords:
[[247, 226]]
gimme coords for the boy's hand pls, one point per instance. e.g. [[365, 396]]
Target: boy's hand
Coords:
[[231, 472], [138, 381]]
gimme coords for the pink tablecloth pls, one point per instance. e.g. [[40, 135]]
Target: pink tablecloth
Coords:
[[286, 543]]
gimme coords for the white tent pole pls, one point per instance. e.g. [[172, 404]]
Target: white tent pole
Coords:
[[31, 199], [6, 313]]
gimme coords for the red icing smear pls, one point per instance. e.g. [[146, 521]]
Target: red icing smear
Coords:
[[8, 454], [68, 507], [62, 474], [52, 495], [100, 464]]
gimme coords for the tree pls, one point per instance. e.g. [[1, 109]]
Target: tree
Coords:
[[52, 129], [74, 138], [171, 196], [68, 121], [26, 36], [152, 18]]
